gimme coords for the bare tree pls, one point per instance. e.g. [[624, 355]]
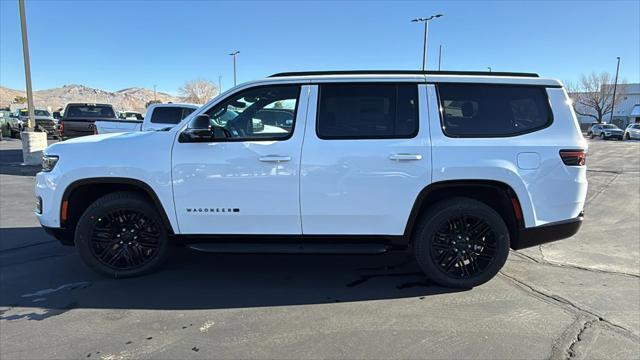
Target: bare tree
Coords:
[[198, 91], [593, 95]]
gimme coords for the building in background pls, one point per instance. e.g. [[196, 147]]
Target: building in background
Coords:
[[626, 111]]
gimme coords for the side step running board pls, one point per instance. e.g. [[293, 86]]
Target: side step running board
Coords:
[[289, 248]]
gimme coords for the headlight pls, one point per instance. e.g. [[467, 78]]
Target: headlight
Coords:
[[49, 162]]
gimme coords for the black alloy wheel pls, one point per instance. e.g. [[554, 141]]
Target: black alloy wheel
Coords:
[[122, 235], [464, 246], [461, 242], [124, 239]]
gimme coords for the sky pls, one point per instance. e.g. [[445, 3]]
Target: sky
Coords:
[[118, 44]]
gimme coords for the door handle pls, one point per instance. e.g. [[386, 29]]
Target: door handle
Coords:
[[274, 158], [405, 157]]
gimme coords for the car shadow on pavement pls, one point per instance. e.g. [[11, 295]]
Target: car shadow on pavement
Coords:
[[40, 286], [11, 164]]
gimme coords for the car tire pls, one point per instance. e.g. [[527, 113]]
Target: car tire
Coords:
[[461, 243], [627, 137], [591, 135], [122, 235], [602, 136]]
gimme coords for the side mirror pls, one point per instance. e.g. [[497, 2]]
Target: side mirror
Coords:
[[199, 130]]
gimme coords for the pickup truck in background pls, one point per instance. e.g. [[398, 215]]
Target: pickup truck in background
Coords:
[[158, 117], [79, 119], [44, 122]]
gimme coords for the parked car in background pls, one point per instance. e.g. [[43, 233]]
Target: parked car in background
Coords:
[[130, 115], [454, 167], [606, 131], [79, 118], [12, 125], [5, 130], [158, 117], [632, 132], [44, 122]]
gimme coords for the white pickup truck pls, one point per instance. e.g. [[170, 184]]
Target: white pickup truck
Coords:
[[158, 117]]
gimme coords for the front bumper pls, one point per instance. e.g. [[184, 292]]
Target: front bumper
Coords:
[[613, 135], [559, 230]]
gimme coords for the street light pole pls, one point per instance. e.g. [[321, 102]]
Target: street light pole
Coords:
[[615, 85], [234, 54], [426, 30], [489, 67], [439, 57], [27, 66]]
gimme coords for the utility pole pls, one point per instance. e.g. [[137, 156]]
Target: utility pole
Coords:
[[489, 68], [220, 84], [234, 54], [27, 66], [439, 57], [615, 85], [424, 43]]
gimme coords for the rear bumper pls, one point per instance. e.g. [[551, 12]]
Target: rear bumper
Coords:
[[559, 230]]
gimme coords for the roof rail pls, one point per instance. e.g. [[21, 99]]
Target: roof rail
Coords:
[[402, 72]]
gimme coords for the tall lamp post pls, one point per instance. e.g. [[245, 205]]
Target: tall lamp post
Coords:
[[33, 143], [426, 30], [615, 85], [234, 54], [27, 65]]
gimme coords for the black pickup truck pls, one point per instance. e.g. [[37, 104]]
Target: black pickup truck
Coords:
[[79, 118]]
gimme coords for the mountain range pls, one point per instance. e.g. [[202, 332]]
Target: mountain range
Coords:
[[126, 99]]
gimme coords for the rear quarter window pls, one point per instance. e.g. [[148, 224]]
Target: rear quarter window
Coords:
[[481, 110]]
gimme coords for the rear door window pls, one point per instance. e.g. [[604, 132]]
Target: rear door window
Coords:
[[367, 111], [482, 110]]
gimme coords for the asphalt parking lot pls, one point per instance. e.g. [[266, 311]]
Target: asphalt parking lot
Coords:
[[576, 298]]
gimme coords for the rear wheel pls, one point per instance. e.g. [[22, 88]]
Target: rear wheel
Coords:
[[122, 235], [461, 243]]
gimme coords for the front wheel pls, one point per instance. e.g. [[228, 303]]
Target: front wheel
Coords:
[[461, 243], [602, 136], [627, 136], [122, 235]]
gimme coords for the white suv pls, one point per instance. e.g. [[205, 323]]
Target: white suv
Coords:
[[456, 167]]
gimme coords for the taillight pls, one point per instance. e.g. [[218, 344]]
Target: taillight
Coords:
[[95, 129], [573, 157], [61, 128]]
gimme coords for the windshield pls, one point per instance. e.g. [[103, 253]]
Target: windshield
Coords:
[[609, 126], [133, 115], [90, 111], [37, 112]]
